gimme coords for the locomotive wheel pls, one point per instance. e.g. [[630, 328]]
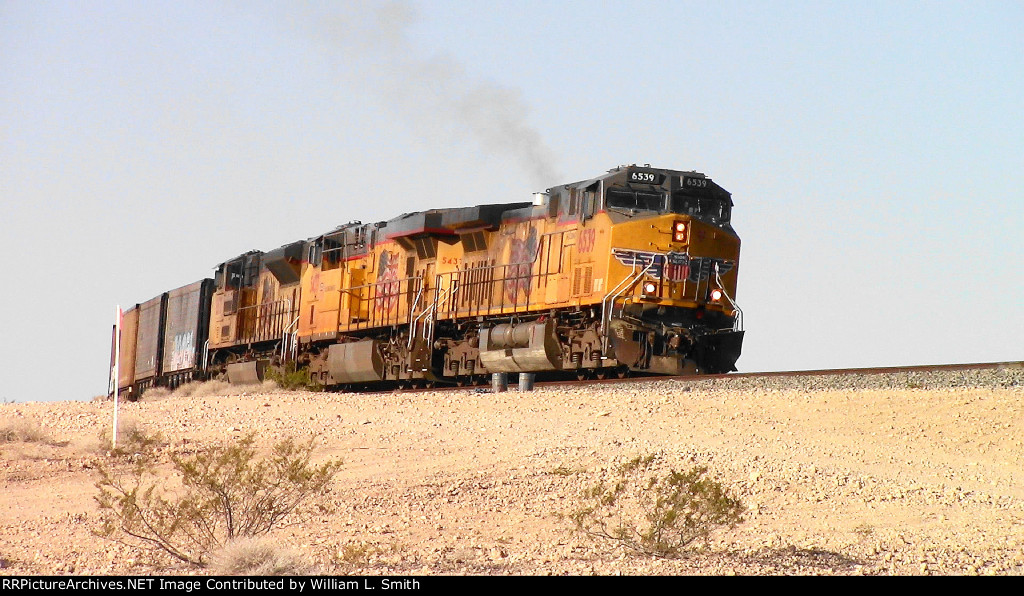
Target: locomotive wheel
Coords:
[[621, 372], [601, 374], [582, 374]]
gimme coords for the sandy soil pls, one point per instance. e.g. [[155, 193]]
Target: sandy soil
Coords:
[[837, 480]]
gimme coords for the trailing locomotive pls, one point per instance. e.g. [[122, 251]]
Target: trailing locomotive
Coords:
[[633, 271]]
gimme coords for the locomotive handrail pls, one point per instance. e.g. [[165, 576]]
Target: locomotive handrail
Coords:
[[287, 343], [415, 320], [429, 335], [502, 304], [349, 289], [621, 288], [610, 298], [412, 320], [429, 311], [441, 296], [264, 327], [737, 323], [707, 285], [387, 318]]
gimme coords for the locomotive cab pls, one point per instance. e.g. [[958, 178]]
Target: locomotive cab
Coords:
[[641, 193], [673, 245]]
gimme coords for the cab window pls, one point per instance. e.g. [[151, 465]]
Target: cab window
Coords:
[[705, 209], [628, 199]]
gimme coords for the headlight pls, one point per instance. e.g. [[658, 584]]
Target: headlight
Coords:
[[650, 287], [716, 295], [679, 231]]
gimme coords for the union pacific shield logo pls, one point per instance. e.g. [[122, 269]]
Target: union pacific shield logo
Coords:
[[677, 266]]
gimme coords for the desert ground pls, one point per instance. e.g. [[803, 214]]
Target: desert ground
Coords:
[[885, 474]]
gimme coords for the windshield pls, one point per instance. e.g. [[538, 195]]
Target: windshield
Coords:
[[628, 199], [711, 210]]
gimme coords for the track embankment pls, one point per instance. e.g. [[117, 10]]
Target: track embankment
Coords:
[[917, 472]]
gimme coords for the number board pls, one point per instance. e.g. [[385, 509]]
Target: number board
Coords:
[[696, 184], [641, 177]]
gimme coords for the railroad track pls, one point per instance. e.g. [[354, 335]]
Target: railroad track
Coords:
[[927, 368]]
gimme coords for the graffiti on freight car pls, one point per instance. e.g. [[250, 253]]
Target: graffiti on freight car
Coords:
[[183, 354], [521, 256], [388, 285], [269, 292]]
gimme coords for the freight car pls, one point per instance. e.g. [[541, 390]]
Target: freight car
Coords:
[[633, 271]]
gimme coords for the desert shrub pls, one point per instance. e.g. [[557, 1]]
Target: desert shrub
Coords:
[[566, 471], [212, 387], [359, 554], [185, 389], [290, 379], [220, 387], [133, 440], [258, 556], [22, 430], [222, 494], [203, 389], [654, 512], [356, 554], [154, 393], [864, 530], [269, 386]]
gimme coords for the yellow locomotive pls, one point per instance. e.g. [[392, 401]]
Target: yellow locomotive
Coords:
[[631, 271]]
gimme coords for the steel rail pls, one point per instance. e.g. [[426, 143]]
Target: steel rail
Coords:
[[738, 375]]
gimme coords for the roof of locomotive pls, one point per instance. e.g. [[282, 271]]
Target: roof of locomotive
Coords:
[[447, 221], [619, 176], [455, 220], [620, 171]]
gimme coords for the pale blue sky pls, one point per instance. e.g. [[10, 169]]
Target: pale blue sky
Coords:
[[875, 152]]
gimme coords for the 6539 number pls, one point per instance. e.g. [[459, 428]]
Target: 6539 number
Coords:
[[645, 177]]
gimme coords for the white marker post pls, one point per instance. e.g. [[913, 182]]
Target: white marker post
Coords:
[[117, 372]]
